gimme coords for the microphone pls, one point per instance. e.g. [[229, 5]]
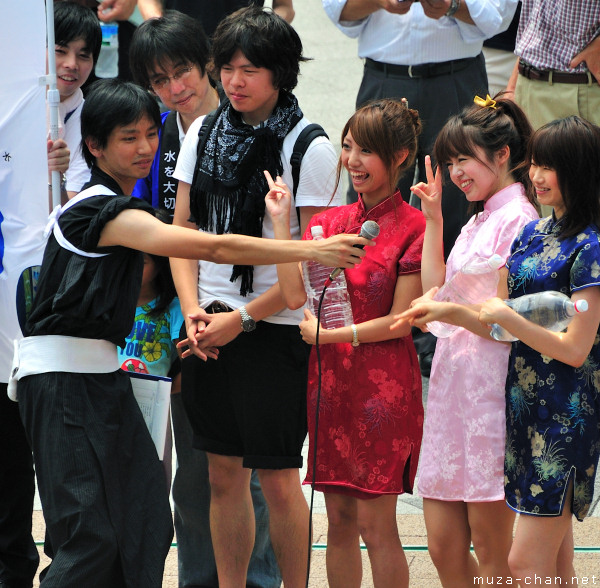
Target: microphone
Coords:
[[369, 230]]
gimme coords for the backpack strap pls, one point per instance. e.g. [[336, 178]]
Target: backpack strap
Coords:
[[207, 124], [305, 138]]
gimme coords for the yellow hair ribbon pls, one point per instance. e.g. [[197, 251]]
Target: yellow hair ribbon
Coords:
[[488, 102]]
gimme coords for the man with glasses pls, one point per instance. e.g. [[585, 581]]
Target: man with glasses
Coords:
[[168, 55]]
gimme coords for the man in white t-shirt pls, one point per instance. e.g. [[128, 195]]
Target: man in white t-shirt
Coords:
[[78, 40], [169, 55], [248, 407]]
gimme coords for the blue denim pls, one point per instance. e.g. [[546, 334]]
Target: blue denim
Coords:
[[191, 496]]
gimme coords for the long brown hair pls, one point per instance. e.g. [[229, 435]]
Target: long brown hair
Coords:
[[385, 127]]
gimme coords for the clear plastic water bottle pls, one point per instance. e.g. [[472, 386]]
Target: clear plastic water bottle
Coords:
[[336, 310], [475, 282], [551, 310], [107, 65]]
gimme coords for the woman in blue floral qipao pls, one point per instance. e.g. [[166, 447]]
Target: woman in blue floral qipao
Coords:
[[553, 383]]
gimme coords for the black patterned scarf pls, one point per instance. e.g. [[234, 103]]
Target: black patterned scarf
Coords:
[[228, 190]]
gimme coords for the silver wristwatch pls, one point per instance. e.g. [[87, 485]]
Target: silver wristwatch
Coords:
[[248, 323], [454, 6]]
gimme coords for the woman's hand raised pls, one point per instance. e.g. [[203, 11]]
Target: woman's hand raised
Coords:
[[430, 193]]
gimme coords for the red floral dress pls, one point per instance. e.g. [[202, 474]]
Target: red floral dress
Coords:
[[371, 411]]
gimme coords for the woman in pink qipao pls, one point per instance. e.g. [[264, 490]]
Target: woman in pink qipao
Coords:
[[461, 475]]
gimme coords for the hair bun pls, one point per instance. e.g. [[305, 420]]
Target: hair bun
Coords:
[[416, 121]]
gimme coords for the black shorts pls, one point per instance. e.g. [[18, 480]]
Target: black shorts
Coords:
[[251, 402]]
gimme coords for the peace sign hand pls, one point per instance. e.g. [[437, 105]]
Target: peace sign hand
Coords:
[[278, 200], [430, 193]]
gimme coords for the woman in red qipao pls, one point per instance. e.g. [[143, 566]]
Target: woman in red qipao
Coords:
[[371, 412]]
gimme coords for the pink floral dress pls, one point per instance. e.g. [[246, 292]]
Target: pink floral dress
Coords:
[[371, 412], [463, 441]]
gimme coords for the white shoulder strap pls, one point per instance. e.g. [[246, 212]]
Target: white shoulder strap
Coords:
[[97, 190]]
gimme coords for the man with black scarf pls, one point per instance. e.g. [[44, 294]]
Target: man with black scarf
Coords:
[[248, 408]]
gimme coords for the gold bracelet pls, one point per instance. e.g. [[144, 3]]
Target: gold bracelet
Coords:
[[355, 341]]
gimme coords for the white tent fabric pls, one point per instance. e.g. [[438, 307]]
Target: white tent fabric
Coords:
[[23, 162]]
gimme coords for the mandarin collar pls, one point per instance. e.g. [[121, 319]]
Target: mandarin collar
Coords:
[[393, 202], [553, 224], [499, 199]]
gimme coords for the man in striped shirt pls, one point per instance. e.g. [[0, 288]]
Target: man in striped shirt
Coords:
[[558, 49], [557, 73]]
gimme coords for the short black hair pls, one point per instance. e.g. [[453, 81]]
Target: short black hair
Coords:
[[73, 21], [571, 147], [265, 39], [174, 37], [112, 103]]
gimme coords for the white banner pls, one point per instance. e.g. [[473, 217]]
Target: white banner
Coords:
[[23, 163]]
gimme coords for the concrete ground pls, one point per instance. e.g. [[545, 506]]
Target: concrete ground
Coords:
[[411, 527], [412, 532], [414, 538], [327, 92]]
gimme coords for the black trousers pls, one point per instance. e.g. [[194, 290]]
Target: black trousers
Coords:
[[102, 486], [18, 555]]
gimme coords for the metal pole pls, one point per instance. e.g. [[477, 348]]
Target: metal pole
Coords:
[[53, 96]]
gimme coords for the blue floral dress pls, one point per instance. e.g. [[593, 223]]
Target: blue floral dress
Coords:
[[553, 409]]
